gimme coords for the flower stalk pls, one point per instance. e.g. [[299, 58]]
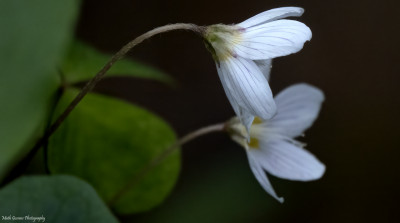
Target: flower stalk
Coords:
[[119, 55], [18, 170]]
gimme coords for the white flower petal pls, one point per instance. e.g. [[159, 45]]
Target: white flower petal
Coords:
[[273, 39], [262, 177], [297, 108], [246, 118], [222, 73], [265, 67], [248, 87], [287, 161], [270, 15]]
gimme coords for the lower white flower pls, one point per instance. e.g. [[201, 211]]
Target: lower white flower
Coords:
[[272, 146]]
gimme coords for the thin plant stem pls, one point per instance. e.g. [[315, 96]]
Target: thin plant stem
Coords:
[[92, 83], [119, 55], [156, 161]]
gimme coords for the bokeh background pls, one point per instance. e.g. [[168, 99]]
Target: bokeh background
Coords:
[[353, 57]]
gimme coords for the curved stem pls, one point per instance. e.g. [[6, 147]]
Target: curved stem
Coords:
[[156, 161], [119, 55], [90, 85]]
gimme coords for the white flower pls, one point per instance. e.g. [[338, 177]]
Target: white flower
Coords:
[[243, 54], [272, 147]]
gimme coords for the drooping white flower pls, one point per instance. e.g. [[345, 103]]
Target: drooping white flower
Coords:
[[272, 147], [243, 54]]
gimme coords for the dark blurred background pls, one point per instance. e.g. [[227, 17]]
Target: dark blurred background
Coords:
[[352, 57]]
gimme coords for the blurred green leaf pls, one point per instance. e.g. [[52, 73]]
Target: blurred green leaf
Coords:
[[57, 198], [220, 188], [107, 142], [33, 37], [83, 62]]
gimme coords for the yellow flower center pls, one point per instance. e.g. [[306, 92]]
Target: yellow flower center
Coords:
[[254, 143], [255, 133], [257, 120], [239, 134], [221, 39]]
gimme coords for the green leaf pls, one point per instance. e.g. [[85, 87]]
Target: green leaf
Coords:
[[83, 62], [108, 142], [56, 198], [33, 37], [224, 190]]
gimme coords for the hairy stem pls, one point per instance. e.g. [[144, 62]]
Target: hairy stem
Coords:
[[92, 83], [156, 161], [119, 55]]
